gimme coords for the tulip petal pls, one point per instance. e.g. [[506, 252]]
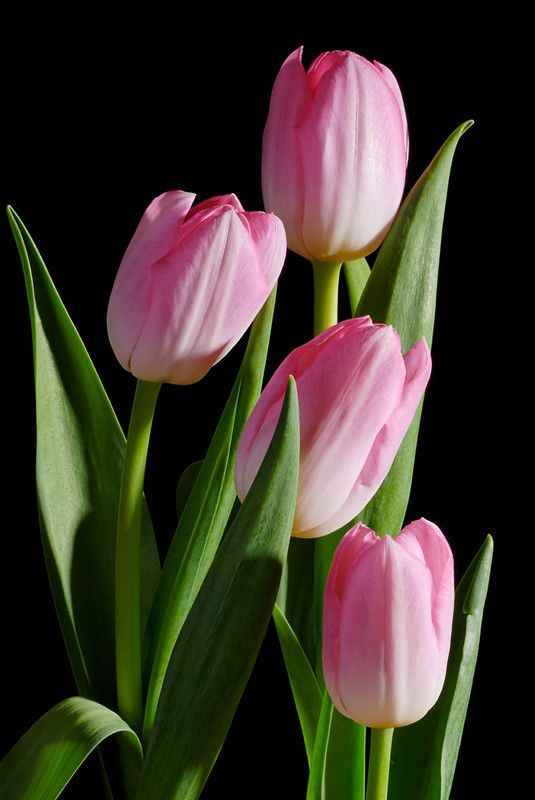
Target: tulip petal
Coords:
[[282, 178], [391, 80], [336, 445], [322, 64], [268, 234], [209, 208], [352, 546], [159, 228], [193, 314], [350, 379], [388, 611], [157, 233], [262, 422], [427, 542], [353, 176], [387, 639], [269, 237], [335, 154], [383, 451]]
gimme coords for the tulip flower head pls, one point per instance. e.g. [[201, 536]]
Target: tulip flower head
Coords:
[[387, 621], [335, 154], [357, 397], [191, 282]]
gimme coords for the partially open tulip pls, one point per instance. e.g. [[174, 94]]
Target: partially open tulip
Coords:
[[357, 397], [387, 619], [191, 282], [335, 154]]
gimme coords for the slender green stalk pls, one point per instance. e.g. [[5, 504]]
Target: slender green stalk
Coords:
[[379, 766], [128, 560], [326, 278]]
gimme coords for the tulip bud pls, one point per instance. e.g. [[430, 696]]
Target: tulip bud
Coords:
[[335, 154], [191, 282], [387, 618], [357, 397]]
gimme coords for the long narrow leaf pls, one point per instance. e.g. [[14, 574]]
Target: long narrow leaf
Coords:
[[402, 291], [80, 450], [205, 515], [424, 755], [356, 274], [345, 770], [185, 484], [296, 591], [316, 780], [305, 688], [44, 760], [215, 652]]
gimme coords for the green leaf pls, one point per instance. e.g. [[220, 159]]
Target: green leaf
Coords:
[[316, 779], [305, 688], [204, 518], [185, 484], [345, 771], [44, 760], [296, 591], [345, 765], [424, 755], [356, 274], [80, 450], [217, 646], [401, 291]]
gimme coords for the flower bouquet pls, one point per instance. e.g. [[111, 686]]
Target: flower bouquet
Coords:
[[297, 510]]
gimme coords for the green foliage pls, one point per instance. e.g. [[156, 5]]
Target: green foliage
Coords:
[[44, 760], [218, 643], [80, 452]]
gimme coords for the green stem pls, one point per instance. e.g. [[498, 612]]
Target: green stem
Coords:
[[128, 557], [326, 278], [379, 766]]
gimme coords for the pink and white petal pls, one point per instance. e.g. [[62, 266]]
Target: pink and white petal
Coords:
[[352, 546], [426, 541], [208, 209], [391, 80], [282, 177], [159, 229], [207, 298], [314, 355], [156, 235], [348, 378], [418, 370], [322, 64], [387, 639], [367, 388], [269, 237], [353, 178]]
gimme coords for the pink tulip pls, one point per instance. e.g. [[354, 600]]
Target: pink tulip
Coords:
[[357, 397], [387, 620], [191, 282], [335, 154]]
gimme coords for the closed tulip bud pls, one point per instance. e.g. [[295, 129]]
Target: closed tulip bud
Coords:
[[335, 154], [191, 282], [387, 618], [357, 397]]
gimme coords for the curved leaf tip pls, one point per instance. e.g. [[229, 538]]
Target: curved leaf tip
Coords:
[[477, 591]]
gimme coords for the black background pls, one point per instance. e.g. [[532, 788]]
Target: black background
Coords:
[[105, 116]]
